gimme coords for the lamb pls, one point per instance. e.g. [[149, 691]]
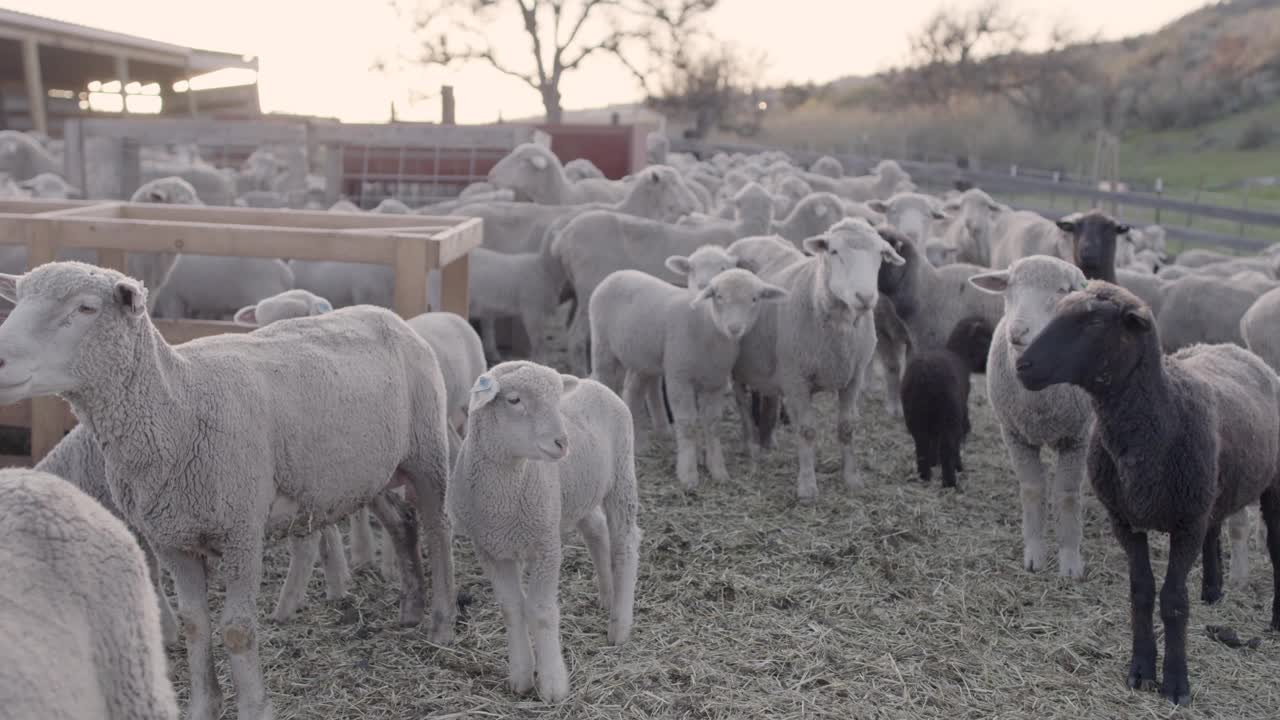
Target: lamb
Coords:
[[911, 213], [213, 187], [251, 418], [582, 169], [656, 147], [789, 191], [935, 398], [1200, 309], [534, 172], [887, 178], [651, 330], [526, 285], [1056, 417], [23, 157], [828, 312], [51, 186], [286, 305], [565, 446], [971, 232], [1180, 443], [80, 633], [216, 287]]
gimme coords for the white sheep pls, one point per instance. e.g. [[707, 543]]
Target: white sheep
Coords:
[[1206, 309], [50, 186], [216, 444], [821, 338], [80, 632], [827, 166], [656, 147], [579, 169], [913, 214], [545, 453], [653, 330], [1058, 417], [526, 285], [22, 156], [535, 173], [973, 227]]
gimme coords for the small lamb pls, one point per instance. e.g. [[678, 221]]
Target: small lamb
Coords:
[[652, 329], [80, 630], [935, 398], [545, 453]]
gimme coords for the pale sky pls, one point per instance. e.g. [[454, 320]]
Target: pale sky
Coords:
[[315, 55]]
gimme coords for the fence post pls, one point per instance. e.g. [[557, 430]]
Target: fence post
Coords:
[[1199, 189], [1053, 192], [1244, 205], [1159, 193], [447, 106]]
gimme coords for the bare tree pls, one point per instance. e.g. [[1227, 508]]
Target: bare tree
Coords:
[[714, 89], [563, 35], [949, 53]]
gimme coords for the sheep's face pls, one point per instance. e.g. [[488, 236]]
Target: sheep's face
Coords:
[[531, 171], [662, 189], [518, 405], [736, 298], [977, 211], [827, 166], [1032, 288], [1095, 340], [850, 255], [64, 314], [911, 214], [704, 264], [971, 339], [753, 206], [581, 169], [815, 214], [1093, 242]]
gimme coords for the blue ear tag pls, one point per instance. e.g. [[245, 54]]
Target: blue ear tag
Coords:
[[483, 383], [324, 306]]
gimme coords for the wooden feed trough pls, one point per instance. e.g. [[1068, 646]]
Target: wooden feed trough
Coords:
[[411, 244]]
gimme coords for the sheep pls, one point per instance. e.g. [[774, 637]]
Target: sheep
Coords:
[[1262, 264], [810, 217], [212, 186], [582, 169], [1057, 417], [1180, 443], [651, 329], [23, 157], [1196, 258], [1022, 233], [940, 253], [534, 172], [392, 206], [887, 178], [286, 305], [1200, 309], [931, 301], [935, 398], [565, 446], [1145, 285], [911, 213], [1143, 261], [971, 232], [51, 186], [262, 199], [217, 287], [525, 285], [80, 632], [344, 205], [827, 166], [828, 313], [656, 147], [788, 192], [1093, 238], [216, 444]]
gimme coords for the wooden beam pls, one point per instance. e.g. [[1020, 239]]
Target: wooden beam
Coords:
[[122, 74], [410, 280], [35, 84], [453, 286], [282, 217]]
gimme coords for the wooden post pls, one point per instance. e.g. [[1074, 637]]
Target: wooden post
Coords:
[[130, 167], [73, 160], [122, 74], [191, 95], [46, 412], [410, 299], [1199, 189], [447, 106], [1159, 193], [1244, 205], [35, 85], [453, 286]]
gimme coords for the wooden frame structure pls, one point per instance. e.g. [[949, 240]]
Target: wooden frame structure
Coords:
[[412, 245]]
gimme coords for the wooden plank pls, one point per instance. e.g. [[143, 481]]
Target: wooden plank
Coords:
[[29, 207], [280, 217], [453, 286], [35, 85], [424, 135], [411, 263], [113, 259], [161, 131], [177, 332], [16, 415], [73, 159], [460, 240], [98, 209], [47, 413]]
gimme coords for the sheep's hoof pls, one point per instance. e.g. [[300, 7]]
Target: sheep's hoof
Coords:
[[1033, 559], [1176, 688], [1210, 595], [1070, 565], [1142, 674], [520, 683]]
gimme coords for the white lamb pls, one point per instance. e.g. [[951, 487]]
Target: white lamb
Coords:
[[80, 632], [1059, 416], [216, 444], [579, 169], [821, 338], [545, 453], [653, 330], [534, 172]]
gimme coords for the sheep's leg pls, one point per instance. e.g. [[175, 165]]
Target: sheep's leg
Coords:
[[1142, 601], [1030, 472], [190, 581], [595, 530], [429, 475], [1175, 610], [542, 613], [800, 400], [890, 356], [1211, 579], [926, 452], [489, 339], [1066, 490], [337, 576], [684, 404], [168, 625], [398, 522], [580, 342], [388, 559], [361, 539], [743, 399], [534, 328], [620, 508], [847, 407], [710, 410], [241, 570], [656, 399], [949, 454], [768, 419], [505, 576], [633, 395], [1271, 518], [303, 551], [1238, 531]]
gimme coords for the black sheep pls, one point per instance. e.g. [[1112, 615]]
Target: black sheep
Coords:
[[1180, 443], [935, 397]]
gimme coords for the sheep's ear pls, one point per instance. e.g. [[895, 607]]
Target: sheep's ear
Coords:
[[773, 293], [993, 282], [879, 206], [539, 162], [131, 297], [1067, 226], [890, 255], [1137, 320], [485, 390], [1122, 229], [706, 293], [678, 264], [816, 245], [322, 307], [9, 287], [247, 316], [570, 382]]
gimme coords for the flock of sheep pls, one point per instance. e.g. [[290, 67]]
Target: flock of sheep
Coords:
[[687, 283]]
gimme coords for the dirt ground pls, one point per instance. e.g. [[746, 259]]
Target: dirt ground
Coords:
[[897, 601]]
